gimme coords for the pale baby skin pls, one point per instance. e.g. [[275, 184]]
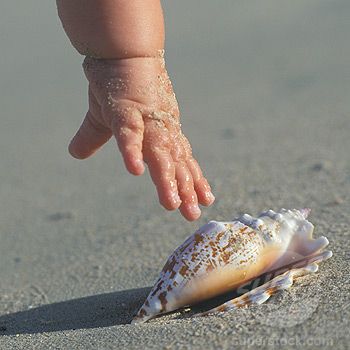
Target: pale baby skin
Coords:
[[131, 97]]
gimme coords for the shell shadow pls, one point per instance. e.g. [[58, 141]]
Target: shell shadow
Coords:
[[103, 310]]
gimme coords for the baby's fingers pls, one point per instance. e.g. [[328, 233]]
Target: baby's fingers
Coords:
[[89, 138], [128, 129], [162, 171], [201, 186], [189, 206]]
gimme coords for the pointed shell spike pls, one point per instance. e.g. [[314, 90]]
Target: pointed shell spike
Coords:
[[305, 212]]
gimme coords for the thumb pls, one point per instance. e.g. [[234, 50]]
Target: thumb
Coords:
[[89, 138]]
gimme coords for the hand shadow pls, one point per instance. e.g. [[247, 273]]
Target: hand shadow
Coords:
[[103, 310]]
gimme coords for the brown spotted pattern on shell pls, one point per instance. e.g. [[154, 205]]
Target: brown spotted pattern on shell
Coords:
[[223, 256]]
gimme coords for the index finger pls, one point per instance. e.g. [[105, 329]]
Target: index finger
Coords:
[[162, 170]]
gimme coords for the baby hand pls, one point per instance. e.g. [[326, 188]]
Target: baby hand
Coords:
[[133, 100]]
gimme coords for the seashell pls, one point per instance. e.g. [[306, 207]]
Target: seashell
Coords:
[[225, 256]]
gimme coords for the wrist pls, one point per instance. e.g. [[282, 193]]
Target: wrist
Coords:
[[112, 52]]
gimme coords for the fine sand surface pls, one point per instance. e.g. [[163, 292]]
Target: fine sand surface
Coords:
[[263, 88]]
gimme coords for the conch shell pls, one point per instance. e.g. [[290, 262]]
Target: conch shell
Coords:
[[224, 256]]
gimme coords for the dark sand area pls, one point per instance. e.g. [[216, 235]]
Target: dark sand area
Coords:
[[263, 88]]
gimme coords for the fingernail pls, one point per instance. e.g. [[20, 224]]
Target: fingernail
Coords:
[[175, 198], [139, 164], [210, 197], [194, 209]]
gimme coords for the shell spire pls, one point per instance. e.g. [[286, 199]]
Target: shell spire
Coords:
[[305, 212]]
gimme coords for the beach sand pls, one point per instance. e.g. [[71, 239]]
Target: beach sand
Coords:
[[264, 92]]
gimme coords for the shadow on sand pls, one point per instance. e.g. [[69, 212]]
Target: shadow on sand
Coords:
[[96, 311]]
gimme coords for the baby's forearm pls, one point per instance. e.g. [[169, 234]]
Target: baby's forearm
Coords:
[[113, 28]]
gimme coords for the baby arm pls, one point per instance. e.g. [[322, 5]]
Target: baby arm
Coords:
[[131, 97]]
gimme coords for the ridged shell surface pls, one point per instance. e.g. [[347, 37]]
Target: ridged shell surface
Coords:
[[222, 256]]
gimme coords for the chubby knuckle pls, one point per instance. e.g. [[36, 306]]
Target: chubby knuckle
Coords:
[[127, 123], [153, 152], [133, 123]]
